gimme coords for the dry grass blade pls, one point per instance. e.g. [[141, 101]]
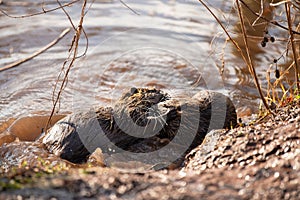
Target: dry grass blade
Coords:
[[17, 63], [250, 63]]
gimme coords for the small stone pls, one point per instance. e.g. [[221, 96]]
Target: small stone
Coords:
[[276, 174]]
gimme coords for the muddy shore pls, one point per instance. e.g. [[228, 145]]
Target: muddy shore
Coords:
[[260, 161]]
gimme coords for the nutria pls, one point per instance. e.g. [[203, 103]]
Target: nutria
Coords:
[[140, 116], [155, 113]]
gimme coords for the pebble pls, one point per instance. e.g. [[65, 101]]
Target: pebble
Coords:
[[267, 153]]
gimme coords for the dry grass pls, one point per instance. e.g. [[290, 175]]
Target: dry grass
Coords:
[[283, 16]]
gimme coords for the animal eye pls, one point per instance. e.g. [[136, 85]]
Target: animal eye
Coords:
[[133, 90]]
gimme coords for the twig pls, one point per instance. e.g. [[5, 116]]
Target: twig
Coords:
[[70, 49], [17, 63], [38, 13], [288, 15], [71, 22], [260, 13], [73, 54], [132, 10], [250, 63], [66, 13], [279, 3], [272, 22], [222, 26]]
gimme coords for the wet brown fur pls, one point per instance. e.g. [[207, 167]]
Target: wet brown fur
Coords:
[[152, 112]]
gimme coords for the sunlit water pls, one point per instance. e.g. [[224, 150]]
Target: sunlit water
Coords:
[[167, 45], [125, 50]]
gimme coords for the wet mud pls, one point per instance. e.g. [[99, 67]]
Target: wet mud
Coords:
[[260, 161]]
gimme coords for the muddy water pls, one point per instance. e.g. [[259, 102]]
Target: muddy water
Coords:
[[173, 45]]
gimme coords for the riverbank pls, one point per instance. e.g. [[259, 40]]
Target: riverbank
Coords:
[[260, 161]]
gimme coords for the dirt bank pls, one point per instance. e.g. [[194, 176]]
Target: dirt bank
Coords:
[[260, 161]]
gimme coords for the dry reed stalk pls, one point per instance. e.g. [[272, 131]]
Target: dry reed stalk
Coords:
[[250, 62], [292, 39]]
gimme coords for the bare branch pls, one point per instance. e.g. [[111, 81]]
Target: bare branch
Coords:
[[288, 15], [72, 56], [132, 10], [265, 19], [38, 13], [250, 62], [17, 63]]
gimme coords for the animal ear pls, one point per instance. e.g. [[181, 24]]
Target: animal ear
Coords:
[[133, 90]]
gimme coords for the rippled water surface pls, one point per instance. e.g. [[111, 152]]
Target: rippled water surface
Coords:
[[168, 45]]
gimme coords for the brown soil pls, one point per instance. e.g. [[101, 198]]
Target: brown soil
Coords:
[[259, 161]]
